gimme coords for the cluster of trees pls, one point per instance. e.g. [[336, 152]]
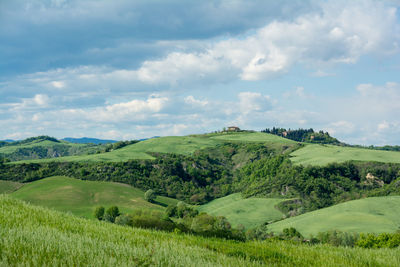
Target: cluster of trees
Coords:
[[108, 215], [314, 187], [303, 135], [195, 179], [180, 218]]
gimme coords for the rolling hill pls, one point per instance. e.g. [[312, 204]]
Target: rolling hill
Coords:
[[81, 197], [43, 147], [369, 215], [7, 187], [249, 212], [312, 154], [184, 145], [36, 236], [87, 140]]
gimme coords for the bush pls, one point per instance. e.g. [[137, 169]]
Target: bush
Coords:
[[111, 214], [383, 240], [150, 195], [99, 213]]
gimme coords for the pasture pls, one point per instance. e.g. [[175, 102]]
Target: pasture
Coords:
[[369, 215], [313, 154], [82, 197], [7, 187], [249, 212]]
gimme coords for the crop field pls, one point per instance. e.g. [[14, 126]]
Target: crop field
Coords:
[[36, 236], [369, 215], [7, 187], [81, 197], [313, 154], [249, 212], [184, 145]]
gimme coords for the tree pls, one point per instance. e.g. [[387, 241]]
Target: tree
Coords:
[[150, 195], [99, 213], [111, 214]]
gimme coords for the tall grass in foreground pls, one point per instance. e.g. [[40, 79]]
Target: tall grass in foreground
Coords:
[[37, 236]]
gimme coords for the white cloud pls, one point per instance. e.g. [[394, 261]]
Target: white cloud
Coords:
[[251, 101], [339, 34]]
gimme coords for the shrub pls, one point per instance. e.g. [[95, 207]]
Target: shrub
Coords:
[[150, 195], [99, 213], [111, 214]]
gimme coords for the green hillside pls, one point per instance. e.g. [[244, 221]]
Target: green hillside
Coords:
[[249, 212], [369, 215], [43, 147], [36, 236], [81, 197], [7, 187], [184, 145], [325, 154]]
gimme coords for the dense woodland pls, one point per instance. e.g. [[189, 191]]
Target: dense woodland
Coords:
[[303, 135]]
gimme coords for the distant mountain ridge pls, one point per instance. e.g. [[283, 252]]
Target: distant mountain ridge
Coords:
[[88, 140]]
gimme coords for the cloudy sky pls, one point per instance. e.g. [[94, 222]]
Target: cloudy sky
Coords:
[[134, 69]]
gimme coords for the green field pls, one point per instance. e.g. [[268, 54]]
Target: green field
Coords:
[[36, 236], [369, 215], [36, 143], [7, 187], [81, 197], [250, 212], [184, 145], [313, 154]]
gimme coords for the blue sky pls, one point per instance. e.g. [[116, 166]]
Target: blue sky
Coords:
[[135, 69]]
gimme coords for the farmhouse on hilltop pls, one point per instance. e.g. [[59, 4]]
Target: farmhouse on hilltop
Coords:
[[233, 129]]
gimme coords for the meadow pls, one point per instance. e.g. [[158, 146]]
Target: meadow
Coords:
[[37, 236], [7, 187], [312, 154], [81, 197], [368, 215], [249, 212]]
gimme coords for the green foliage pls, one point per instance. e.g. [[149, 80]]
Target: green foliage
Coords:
[[150, 195], [259, 233], [111, 213], [383, 240], [337, 238], [291, 233], [99, 213], [304, 135]]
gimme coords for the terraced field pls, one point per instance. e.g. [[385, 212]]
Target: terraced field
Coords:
[[369, 215], [81, 197], [249, 212]]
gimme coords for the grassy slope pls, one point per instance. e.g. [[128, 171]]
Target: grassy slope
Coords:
[[249, 212], [81, 197], [374, 215], [313, 154], [7, 187], [36, 143], [185, 145], [35, 236]]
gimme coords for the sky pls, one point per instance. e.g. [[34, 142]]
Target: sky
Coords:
[[127, 69]]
